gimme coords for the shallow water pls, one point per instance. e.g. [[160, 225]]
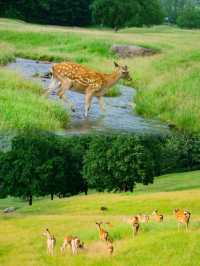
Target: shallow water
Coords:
[[119, 115]]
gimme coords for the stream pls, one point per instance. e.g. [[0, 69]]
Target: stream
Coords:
[[119, 116]]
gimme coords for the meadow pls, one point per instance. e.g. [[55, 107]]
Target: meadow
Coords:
[[22, 243], [167, 83]]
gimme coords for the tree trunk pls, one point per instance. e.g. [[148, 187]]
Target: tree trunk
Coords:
[[51, 196], [30, 200]]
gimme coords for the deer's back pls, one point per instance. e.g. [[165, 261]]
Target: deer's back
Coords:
[[78, 74]]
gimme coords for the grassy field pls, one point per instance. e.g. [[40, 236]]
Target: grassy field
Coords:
[[168, 82], [22, 243]]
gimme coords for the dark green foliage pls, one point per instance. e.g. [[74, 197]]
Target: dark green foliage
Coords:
[[174, 9], [118, 163], [116, 13], [189, 17], [42, 164], [56, 12], [112, 13]]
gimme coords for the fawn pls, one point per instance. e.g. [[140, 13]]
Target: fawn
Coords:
[[143, 218], [71, 76], [182, 217], [135, 224], [51, 242], [103, 234], [157, 217], [73, 242]]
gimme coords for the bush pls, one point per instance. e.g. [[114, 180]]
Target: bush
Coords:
[[189, 17], [116, 13]]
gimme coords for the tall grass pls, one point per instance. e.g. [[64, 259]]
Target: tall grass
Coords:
[[22, 106]]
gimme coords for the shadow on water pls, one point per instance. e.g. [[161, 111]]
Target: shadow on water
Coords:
[[119, 116]]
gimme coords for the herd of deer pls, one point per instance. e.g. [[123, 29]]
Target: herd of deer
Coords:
[[182, 217], [72, 76]]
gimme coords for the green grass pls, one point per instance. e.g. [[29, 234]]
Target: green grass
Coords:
[[22, 243], [167, 82], [22, 106]]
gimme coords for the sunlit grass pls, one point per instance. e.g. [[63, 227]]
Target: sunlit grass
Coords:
[[22, 243]]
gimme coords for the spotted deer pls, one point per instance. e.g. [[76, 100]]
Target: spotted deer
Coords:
[[72, 76], [51, 242], [156, 216], [182, 217], [73, 242], [134, 221], [103, 234]]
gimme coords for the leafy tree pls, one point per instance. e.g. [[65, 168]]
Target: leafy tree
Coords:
[[116, 14], [117, 163], [189, 17]]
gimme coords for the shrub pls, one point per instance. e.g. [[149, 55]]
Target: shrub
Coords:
[[189, 17]]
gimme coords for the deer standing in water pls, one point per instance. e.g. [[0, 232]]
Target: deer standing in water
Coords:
[[182, 217], [51, 242], [72, 76]]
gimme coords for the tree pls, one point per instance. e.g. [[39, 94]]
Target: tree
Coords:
[[189, 17], [116, 14], [42, 164], [117, 163]]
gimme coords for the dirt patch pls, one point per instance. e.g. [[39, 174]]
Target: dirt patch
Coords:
[[98, 248], [125, 51]]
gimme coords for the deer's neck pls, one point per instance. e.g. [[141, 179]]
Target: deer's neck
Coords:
[[111, 79]]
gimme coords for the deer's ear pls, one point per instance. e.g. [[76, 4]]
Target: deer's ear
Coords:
[[115, 64]]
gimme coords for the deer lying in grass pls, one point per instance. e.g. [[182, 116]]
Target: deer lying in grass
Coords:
[[103, 234], [182, 217], [156, 216], [73, 242], [135, 224], [72, 76], [51, 242]]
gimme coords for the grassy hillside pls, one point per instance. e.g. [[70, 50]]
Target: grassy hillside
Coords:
[[22, 243], [168, 82]]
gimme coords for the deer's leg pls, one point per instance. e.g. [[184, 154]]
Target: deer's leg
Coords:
[[88, 99], [65, 86], [178, 227], [54, 84], [101, 103]]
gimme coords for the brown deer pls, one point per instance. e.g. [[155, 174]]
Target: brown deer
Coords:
[[182, 217], [103, 234], [143, 218], [157, 217], [51, 242], [73, 242], [110, 247], [135, 224], [71, 76]]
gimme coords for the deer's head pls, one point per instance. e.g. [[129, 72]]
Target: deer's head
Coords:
[[123, 71]]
